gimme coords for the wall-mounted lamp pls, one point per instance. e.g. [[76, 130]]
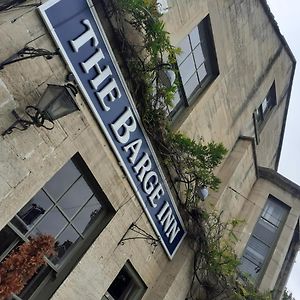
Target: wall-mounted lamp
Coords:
[[56, 102], [167, 77], [202, 192]]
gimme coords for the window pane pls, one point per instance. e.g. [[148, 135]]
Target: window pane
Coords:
[[191, 85], [186, 69], [64, 243], [175, 101], [274, 212], [249, 267], [62, 180], [195, 38], [256, 251], [264, 105], [198, 56], [52, 223], [185, 47], [202, 72], [87, 215], [33, 211], [75, 197], [265, 232], [8, 240]]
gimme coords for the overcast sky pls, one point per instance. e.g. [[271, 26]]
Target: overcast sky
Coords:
[[287, 15]]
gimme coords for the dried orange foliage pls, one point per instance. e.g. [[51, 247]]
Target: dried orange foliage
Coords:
[[21, 264]]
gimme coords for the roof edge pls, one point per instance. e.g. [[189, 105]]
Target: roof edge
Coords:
[[269, 13], [279, 180], [284, 119]]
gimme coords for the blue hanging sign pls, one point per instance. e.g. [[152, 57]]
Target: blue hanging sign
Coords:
[[76, 29]]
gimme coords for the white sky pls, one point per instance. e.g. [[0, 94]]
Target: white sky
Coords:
[[287, 15]]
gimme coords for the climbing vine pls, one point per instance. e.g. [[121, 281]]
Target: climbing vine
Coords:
[[145, 46]]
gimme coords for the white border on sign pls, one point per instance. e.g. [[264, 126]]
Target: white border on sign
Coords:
[[42, 10]]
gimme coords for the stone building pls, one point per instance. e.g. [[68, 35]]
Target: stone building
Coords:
[[236, 73]]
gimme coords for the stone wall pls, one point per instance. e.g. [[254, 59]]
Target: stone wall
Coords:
[[250, 57]]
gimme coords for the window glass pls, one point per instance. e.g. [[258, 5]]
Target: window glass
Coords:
[[64, 243], [198, 56], [264, 105], [187, 69], [191, 85], [264, 109], [202, 72], [248, 267], [185, 47], [194, 37], [77, 195], [53, 223], [62, 180], [35, 209], [87, 215], [256, 250], [274, 213], [175, 103], [265, 231]]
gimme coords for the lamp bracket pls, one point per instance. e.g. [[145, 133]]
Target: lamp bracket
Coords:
[[28, 52], [36, 118], [141, 234]]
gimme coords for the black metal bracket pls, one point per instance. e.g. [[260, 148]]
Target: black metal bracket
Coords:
[[36, 118], [26, 53], [141, 234]]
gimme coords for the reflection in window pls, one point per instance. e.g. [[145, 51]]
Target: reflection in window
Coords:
[[70, 207], [197, 63]]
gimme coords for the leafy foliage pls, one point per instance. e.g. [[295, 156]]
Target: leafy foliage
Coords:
[[287, 295], [23, 263], [194, 163], [147, 51]]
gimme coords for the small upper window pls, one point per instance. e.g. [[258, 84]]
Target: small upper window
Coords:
[[128, 285], [197, 63], [262, 112]]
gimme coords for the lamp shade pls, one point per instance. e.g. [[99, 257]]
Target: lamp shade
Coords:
[[167, 77], [202, 192], [57, 101]]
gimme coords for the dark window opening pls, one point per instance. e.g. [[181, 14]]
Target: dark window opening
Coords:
[[128, 285]]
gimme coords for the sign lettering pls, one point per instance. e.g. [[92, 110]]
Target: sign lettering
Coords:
[[79, 35]]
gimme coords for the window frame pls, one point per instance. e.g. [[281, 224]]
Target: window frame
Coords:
[[261, 115], [135, 279], [261, 269], [56, 274], [210, 59]]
